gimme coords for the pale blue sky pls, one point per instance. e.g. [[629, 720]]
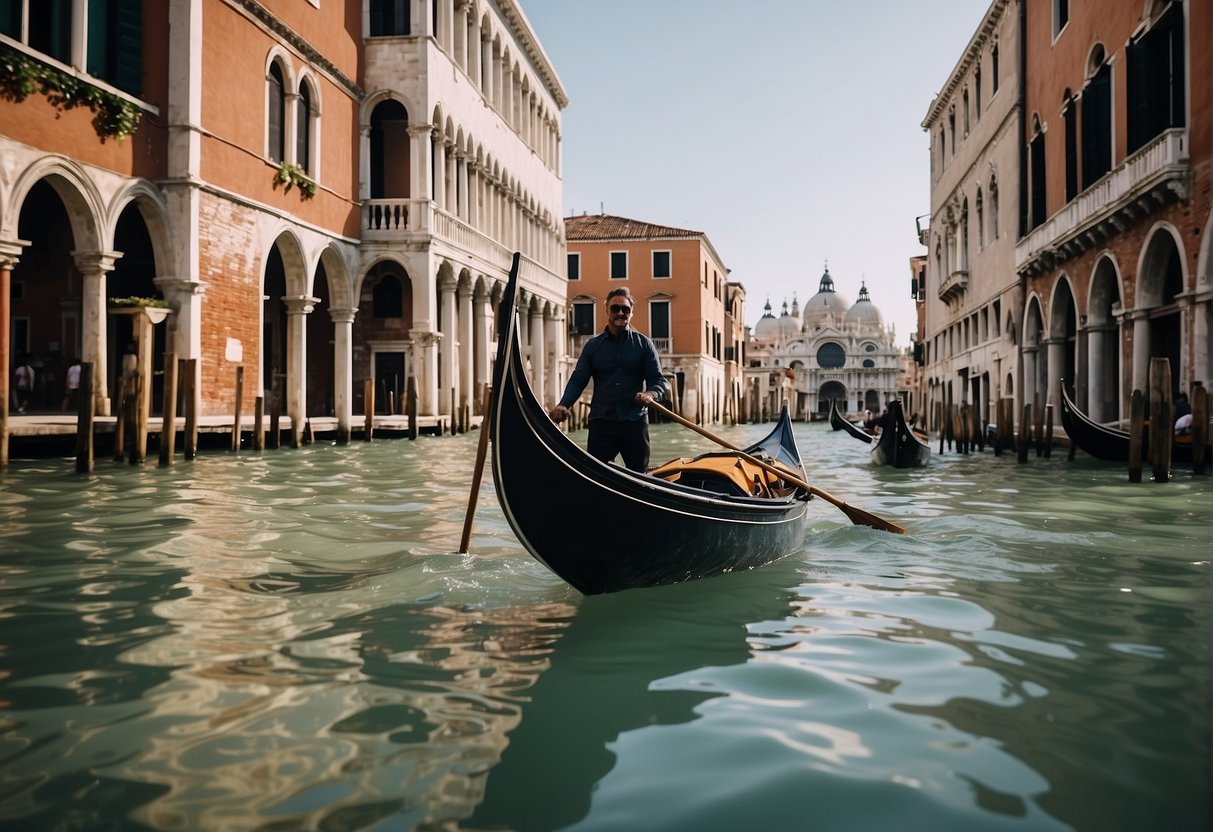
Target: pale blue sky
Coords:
[[786, 130]]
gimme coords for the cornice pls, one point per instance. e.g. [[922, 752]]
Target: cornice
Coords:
[[512, 14], [972, 52]]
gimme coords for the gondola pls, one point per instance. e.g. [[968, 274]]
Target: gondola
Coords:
[[897, 445], [1109, 443], [840, 422], [602, 528]]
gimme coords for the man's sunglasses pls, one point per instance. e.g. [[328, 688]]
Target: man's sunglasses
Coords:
[[616, 309]]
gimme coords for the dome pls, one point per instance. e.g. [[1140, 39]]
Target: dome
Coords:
[[864, 312], [767, 326], [826, 308]]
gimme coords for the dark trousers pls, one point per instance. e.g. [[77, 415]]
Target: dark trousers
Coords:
[[609, 438]]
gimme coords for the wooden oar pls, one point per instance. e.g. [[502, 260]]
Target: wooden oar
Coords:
[[857, 515], [481, 452]]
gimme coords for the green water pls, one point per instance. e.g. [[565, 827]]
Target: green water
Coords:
[[287, 641]]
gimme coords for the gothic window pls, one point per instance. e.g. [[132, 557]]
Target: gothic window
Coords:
[[276, 115]]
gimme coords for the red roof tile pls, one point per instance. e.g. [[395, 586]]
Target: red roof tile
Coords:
[[589, 227]]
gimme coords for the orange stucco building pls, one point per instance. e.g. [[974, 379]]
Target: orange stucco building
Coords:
[[681, 288], [320, 192]]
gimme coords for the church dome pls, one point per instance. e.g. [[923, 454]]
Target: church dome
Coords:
[[767, 327], [826, 308], [864, 312]]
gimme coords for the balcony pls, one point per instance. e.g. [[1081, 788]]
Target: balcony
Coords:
[[954, 286], [1156, 175], [664, 345]]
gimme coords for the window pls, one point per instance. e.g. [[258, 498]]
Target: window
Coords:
[[661, 264], [981, 221], [583, 318], [659, 319], [1069, 112], [50, 28], [276, 116], [952, 130], [966, 111], [1156, 79], [303, 127], [619, 265], [115, 43], [993, 69], [831, 356], [868, 364], [1097, 126], [574, 266], [1036, 164], [1061, 15], [389, 17], [977, 91]]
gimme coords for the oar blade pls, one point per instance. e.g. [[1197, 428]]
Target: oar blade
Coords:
[[862, 518]]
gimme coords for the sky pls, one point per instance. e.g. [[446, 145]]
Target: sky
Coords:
[[787, 131]]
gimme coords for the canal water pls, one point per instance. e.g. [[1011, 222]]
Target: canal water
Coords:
[[287, 641]]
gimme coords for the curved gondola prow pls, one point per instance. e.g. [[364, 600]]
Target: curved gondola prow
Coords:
[[507, 321]]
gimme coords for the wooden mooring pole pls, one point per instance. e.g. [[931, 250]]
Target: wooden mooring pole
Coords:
[[239, 402], [368, 408], [168, 424], [259, 423], [1024, 432], [1200, 427], [84, 420], [1161, 421], [189, 398], [411, 407], [1137, 418]]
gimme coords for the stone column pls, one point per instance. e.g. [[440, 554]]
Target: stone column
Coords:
[[463, 201], [439, 190], [538, 355], [448, 350], [555, 338], [343, 368], [466, 349], [364, 160], [1098, 392], [421, 139], [481, 317], [93, 267], [1056, 357], [9, 250], [296, 361], [1141, 352], [486, 69], [425, 369], [1029, 387]]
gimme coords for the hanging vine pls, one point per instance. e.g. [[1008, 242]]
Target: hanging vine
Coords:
[[21, 76]]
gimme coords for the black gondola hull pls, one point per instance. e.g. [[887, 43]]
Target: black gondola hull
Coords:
[[602, 528], [897, 445], [1108, 443], [839, 422]]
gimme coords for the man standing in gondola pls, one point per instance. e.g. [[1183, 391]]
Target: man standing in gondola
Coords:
[[627, 378]]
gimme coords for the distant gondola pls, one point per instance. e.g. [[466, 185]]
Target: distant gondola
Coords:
[[1109, 443], [603, 528], [840, 422], [897, 445]]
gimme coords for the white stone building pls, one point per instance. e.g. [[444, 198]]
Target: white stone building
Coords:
[[833, 350]]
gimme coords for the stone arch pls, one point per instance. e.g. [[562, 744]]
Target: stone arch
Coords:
[[152, 206], [1104, 302], [80, 196]]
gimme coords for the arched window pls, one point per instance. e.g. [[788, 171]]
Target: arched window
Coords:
[[276, 115], [303, 127], [868, 363]]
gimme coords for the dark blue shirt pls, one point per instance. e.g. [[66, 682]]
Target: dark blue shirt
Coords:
[[621, 367]]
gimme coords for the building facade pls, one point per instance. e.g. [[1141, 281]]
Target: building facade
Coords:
[[1096, 165], [1114, 256], [320, 193], [681, 288], [971, 299], [832, 351]]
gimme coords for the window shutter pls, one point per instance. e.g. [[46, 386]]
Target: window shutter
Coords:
[[128, 46]]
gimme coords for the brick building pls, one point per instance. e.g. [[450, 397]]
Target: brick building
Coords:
[[320, 192]]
